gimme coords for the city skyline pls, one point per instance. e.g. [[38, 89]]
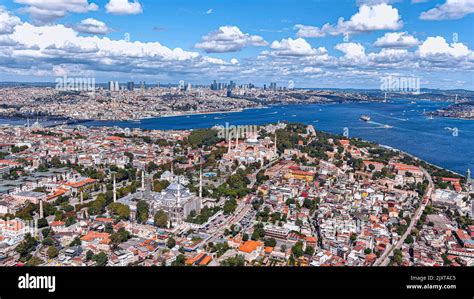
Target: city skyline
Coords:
[[260, 43]]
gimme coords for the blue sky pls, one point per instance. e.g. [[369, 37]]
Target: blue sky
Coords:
[[245, 41]]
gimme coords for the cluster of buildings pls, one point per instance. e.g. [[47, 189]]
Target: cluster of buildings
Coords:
[[342, 207]]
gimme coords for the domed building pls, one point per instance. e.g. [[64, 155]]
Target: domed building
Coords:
[[176, 201], [251, 150]]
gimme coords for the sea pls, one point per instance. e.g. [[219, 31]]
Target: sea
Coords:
[[398, 123]]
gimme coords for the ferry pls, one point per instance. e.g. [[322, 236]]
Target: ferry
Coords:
[[365, 118]]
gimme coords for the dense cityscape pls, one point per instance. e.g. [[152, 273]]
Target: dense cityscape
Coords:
[[275, 195]]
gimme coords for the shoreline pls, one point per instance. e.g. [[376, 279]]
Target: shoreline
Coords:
[[189, 113]]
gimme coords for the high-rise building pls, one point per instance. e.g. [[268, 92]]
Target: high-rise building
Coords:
[[130, 85], [142, 85], [114, 86]]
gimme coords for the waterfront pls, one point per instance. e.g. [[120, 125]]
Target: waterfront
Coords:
[[433, 140]]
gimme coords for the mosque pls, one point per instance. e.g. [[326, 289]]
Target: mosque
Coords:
[[251, 150], [176, 200]]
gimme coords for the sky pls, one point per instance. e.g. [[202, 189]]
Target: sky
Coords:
[[311, 43]]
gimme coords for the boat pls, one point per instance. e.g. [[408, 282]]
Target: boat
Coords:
[[365, 118]]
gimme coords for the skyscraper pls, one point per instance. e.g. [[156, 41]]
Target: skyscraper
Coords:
[[130, 85], [114, 86]]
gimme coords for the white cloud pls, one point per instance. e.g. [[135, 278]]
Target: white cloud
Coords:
[[234, 61], [228, 39], [209, 11], [43, 47], [450, 10], [45, 11], [92, 26], [368, 18], [295, 47], [351, 50], [391, 56], [7, 21], [437, 46], [396, 40], [123, 7]]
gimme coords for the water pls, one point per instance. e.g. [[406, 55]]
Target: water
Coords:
[[432, 140]]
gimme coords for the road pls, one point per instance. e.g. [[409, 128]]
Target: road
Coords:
[[239, 213], [385, 258]]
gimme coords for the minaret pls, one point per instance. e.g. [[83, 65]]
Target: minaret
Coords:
[[143, 180], [28, 123], [468, 175], [276, 148], [115, 190], [230, 145], [200, 182], [41, 209], [178, 198], [82, 198], [237, 141], [172, 171]]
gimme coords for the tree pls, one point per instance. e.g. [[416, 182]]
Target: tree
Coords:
[[270, 242], [100, 259], [143, 210], [180, 260], [397, 256], [34, 261], [235, 261], [367, 251], [161, 219], [98, 205], [52, 252], [160, 185], [120, 210], [42, 223], [309, 250], [353, 237], [47, 241], [171, 243], [409, 239], [297, 249], [76, 242], [26, 246], [230, 206], [89, 255]]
